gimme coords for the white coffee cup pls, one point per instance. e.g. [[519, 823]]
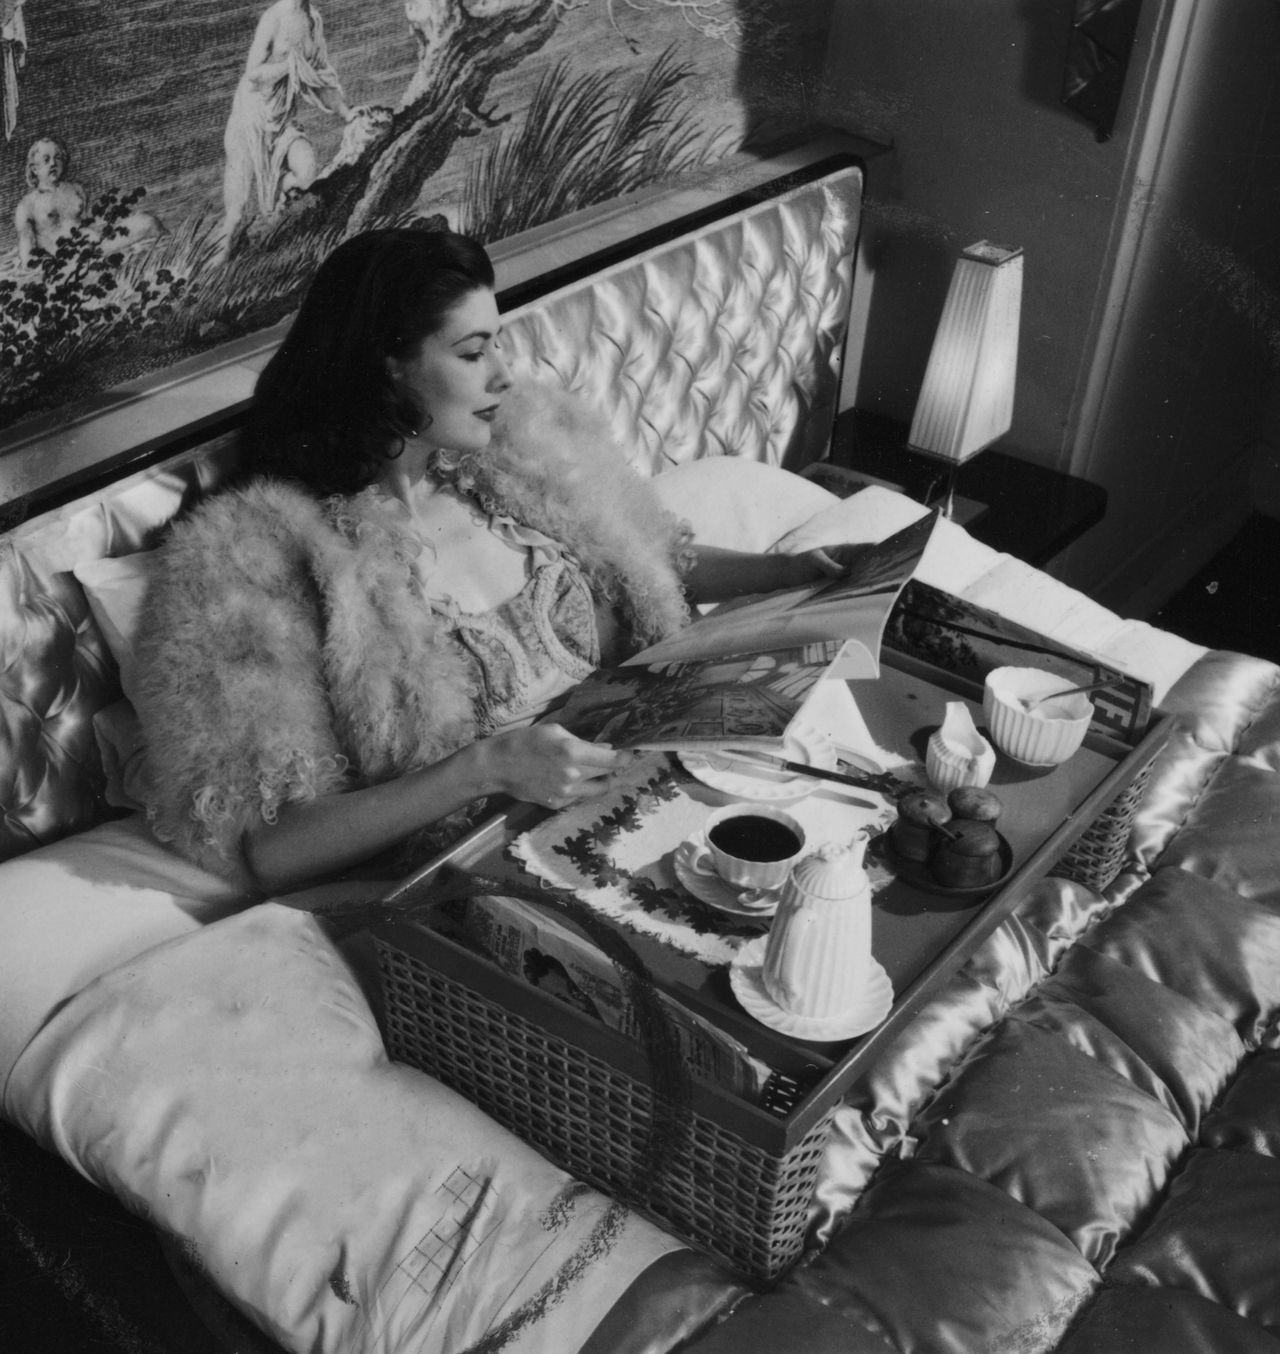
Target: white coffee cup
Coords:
[[751, 847]]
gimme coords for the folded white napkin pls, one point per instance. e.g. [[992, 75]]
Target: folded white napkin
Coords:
[[832, 711]]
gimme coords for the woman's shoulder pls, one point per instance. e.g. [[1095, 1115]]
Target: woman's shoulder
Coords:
[[259, 504], [258, 529]]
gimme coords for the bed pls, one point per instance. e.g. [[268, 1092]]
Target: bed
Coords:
[[1056, 1154]]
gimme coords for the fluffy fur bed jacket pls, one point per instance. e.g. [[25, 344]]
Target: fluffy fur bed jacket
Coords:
[[286, 650]]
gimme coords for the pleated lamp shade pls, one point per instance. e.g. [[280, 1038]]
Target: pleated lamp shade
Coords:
[[966, 401]]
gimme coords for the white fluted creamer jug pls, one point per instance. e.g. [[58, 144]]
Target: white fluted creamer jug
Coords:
[[818, 953], [957, 754]]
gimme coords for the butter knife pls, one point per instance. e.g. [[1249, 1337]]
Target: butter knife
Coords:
[[767, 759]]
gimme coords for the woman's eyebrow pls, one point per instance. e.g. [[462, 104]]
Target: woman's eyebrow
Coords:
[[477, 334]]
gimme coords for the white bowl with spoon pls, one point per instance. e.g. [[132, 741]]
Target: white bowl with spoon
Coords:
[[1037, 717]]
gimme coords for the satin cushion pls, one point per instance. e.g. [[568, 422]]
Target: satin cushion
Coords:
[[1058, 1131], [1248, 1118], [1225, 698], [115, 587], [1165, 1044], [1231, 831], [791, 1322], [1216, 948], [1141, 1320], [882, 1103], [1215, 1235], [938, 1260], [675, 1298]]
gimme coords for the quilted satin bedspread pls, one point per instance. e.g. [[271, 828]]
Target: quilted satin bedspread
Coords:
[[1074, 1149]]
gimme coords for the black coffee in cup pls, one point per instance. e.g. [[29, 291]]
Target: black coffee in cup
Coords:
[[751, 836]]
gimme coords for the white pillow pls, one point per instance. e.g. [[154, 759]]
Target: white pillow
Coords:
[[71, 911], [739, 504], [115, 589], [233, 1087], [118, 732]]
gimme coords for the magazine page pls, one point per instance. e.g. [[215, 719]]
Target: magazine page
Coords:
[[855, 606], [737, 678], [970, 640], [736, 700]]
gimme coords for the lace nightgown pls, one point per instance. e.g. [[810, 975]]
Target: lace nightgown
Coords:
[[531, 649]]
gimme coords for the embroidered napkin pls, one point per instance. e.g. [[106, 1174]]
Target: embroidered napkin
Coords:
[[615, 853]]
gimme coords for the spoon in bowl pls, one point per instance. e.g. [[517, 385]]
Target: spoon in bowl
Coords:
[[1030, 703]]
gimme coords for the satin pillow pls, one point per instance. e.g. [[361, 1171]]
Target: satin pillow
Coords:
[[115, 588]]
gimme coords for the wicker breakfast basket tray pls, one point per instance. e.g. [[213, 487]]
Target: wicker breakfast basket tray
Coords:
[[731, 1177], [732, 1174]]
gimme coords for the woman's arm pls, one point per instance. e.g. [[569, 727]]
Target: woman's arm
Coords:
[[542, 764], [719, 574]]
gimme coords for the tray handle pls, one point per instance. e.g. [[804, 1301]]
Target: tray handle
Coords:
[[669, 1077]]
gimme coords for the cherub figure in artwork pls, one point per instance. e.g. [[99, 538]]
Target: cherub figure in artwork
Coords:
[[269, 157], [53, 206]]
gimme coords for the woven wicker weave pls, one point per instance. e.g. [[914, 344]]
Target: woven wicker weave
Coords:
[[1097, 855]]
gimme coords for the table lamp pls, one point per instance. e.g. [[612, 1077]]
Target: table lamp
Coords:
[[966, 402]]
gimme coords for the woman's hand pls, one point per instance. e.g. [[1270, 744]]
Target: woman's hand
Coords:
[[543, 764], [719, 574], [828, 561], [546, 764]]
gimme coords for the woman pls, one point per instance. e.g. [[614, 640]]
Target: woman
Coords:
[[341, 655]]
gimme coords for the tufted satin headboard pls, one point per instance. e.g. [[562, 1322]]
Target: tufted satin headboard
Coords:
[[703, 327], [725, 340]]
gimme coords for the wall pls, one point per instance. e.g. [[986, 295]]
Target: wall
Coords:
[[1145, 267], [1173, 415]]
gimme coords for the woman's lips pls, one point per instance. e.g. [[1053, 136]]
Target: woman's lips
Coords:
[[488, 414]]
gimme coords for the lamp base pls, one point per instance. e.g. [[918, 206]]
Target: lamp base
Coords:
[[954, 506], [960, 509]]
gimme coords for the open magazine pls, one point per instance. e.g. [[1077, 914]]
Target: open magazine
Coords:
[[737, 677]]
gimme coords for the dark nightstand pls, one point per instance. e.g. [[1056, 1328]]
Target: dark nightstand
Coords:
[[1029, 511]]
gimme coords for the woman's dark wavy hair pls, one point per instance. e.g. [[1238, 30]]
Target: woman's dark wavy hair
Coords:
[[325, 413]]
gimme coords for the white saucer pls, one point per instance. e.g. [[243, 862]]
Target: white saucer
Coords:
[[803, 743], [709, 888], [746, 979]]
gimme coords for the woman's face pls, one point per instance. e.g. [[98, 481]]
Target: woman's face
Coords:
[[457, 375]]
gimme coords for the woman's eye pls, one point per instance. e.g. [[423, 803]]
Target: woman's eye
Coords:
[[472, 357]]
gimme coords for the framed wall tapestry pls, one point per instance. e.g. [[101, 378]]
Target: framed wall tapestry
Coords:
[[171, 173]]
